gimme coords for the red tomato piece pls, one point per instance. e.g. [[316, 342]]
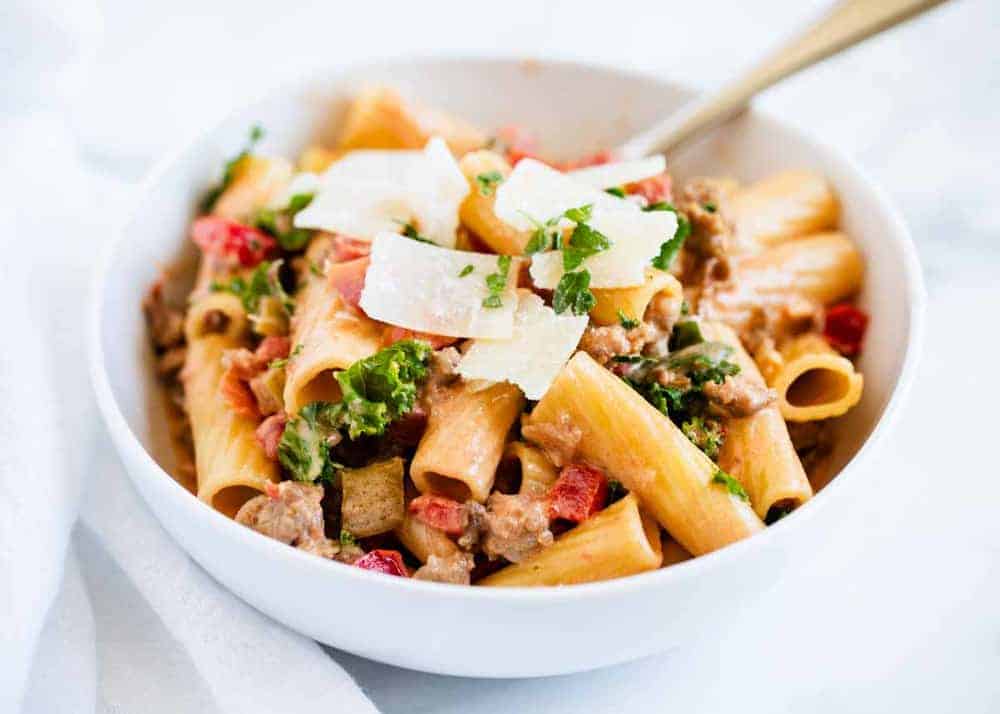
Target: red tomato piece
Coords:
[[654, 189], [395, 334], [345, 248], [578, 493], [520, 143], [439, 512], [596, 159], [845, 327], [272, 348], [237, 394], [389, 562], [224, 238], [269, 434], [348, 279]]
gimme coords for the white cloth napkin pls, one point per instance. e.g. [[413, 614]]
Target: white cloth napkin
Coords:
[[136, 626], [110, 617]]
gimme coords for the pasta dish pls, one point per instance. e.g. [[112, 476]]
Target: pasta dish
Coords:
[[431, 351]]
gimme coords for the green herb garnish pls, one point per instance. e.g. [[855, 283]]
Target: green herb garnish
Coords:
[[573, 294], [496, 283], [731, 485], [465, 271], [410, 231], [686, 333], [271, 220], [629, 323], [670, 248], [229, 170], [376, 391], [619, 192], [704, 433], [262, 282], [488, 181]]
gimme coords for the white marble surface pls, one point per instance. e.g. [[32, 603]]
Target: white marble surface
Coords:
[[898, 612]]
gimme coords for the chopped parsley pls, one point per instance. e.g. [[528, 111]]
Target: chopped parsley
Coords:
[[347, 538], [704, 433], [376, 390], [263, 282], [670, 248], [710, 207], [616, 191], [573, 294], [583, 243], [410, 231], [283, 361], [629, 323], [315, 269], [229, 170], [682, 398], [496, 283], [685, 308], [465, 271], [616, 491], [734, 487], [488, 181], [685, 334], [275, 221]]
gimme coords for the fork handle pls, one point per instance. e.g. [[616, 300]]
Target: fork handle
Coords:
[[847, 23]]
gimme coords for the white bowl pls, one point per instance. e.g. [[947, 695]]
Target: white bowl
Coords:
[[484, 631]]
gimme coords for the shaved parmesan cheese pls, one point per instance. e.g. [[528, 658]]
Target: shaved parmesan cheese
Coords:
[[371, 192], [418, 286], [620, 173], [536, 191], [540, 345], [635, 238]]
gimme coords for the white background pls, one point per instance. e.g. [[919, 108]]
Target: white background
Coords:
[[899, 611]]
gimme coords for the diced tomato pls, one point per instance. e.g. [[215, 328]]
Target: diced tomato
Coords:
[[269, 433], [225, 238], [389, 562], [237, 394], [845, 327], [654, 189], [578, 493], [519, 142], [596, 159], [272, 348], [439, 512], [344, 248], [348, 279], [393, 334]]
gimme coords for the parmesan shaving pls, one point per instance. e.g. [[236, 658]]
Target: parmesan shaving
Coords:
[[373, 191], [635, 238], [534, 191], [417, 286], [531, 358], [620, 173]]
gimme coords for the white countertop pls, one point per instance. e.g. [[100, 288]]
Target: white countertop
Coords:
[[898, 612]]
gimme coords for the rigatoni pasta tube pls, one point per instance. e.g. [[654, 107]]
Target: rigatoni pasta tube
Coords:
[[782, 207], [379, 118], [465, 437], [423, 540], [824, 267], [256, 179], [640, 447], [326, 335], [813, 381], [476, 212], [818, 270], [231, 465], [757, 450], [537, 472], [616, 542], [632, 302]]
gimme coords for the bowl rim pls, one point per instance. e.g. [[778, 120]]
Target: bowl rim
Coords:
[[126, 440]]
